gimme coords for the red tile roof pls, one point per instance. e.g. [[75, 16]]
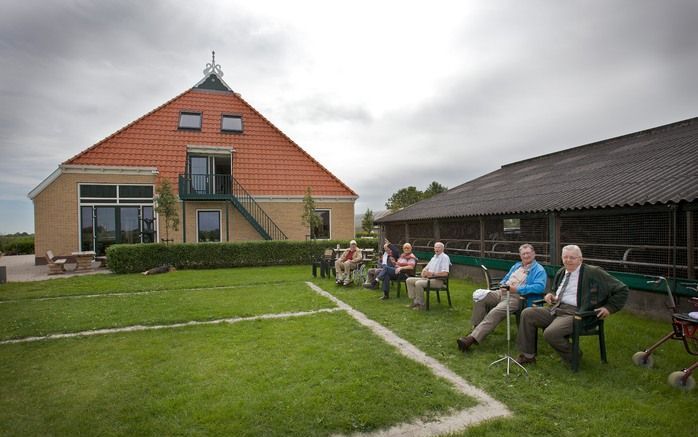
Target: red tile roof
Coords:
[[265, 161]]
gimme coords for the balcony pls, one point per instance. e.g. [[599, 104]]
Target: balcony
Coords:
[[225, 187], [205, 186]]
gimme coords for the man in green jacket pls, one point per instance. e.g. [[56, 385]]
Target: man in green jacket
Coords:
[[576, 287]]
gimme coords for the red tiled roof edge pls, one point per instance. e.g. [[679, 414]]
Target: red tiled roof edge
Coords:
[[68, 161]]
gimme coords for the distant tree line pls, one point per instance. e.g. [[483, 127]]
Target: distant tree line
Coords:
[[410, 195]]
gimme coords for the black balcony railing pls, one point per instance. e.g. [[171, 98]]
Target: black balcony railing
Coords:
[[204, 186], [225, 187]]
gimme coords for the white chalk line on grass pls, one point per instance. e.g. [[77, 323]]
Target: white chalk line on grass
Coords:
[[135, 328], [135, 293], [487, 408]]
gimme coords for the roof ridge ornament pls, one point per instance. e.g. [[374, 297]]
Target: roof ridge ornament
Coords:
[[212, 67]]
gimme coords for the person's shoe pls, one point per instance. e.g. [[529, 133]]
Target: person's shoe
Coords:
[[384, 297], [418, 307], [346, 282], [465, 342], [370, 285], [338, 281], [523, 359]]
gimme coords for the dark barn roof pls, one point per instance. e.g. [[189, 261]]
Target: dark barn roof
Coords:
[[654, 166]]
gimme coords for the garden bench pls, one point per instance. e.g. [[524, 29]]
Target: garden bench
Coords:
[[56, 266]]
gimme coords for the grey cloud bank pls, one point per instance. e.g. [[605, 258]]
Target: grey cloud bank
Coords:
[[446, 93]]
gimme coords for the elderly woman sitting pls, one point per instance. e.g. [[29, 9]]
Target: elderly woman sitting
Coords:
[[391, 252], [404, 267]]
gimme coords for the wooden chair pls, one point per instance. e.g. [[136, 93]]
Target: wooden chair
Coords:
[[56, 266], [429, 288]]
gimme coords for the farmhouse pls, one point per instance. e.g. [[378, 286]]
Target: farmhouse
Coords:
[[236, 177]]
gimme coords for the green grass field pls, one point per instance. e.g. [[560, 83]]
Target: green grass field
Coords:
[[318, 374]]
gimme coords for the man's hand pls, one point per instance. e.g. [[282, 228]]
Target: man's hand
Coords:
[[513, 288], [549, 298], [602, 313]]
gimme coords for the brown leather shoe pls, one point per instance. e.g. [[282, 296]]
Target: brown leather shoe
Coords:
[[523, 360], [465, 342]]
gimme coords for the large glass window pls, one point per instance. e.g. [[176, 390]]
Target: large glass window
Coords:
[[208, 226], [129, 225], [112, 214], [148, 224], [105, 227], [322, 231], [86, 228]]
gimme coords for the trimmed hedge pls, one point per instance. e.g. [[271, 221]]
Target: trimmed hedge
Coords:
[[17, 245], [133, 258]]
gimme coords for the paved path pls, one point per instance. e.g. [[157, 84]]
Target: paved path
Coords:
[[21, 268]]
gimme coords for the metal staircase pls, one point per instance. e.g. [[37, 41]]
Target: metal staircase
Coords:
[[248, 207]]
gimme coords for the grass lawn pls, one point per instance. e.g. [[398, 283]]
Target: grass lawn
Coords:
[[617, 398], [312, 375]]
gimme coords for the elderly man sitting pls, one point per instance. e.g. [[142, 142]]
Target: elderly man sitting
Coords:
[[346, 263], [525, 278], [576, 287], [438, 267]]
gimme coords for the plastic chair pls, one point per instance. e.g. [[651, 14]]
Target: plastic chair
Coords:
[[429, 288]]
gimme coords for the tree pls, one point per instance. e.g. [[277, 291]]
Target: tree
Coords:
[[434, 188], [309, 217], [167, 208], [403, 197], [367, 221], [407, 196]]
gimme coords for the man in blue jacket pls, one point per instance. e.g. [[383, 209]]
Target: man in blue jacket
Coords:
[[525, 278]]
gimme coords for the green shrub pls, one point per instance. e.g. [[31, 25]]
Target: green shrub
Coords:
[[132, 258], [17, 244]]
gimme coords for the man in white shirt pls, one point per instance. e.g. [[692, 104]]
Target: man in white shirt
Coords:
[[438, 267]]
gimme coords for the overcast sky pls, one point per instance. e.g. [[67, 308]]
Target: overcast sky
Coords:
[[384, 94]]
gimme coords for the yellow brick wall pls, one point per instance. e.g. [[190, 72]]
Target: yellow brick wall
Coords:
[[56, 216], [287, 216]]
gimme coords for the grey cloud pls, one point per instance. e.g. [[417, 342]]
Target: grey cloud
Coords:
[[321, 109]]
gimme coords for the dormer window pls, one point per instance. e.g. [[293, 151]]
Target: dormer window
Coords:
[[190, 120], [231, 123]]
